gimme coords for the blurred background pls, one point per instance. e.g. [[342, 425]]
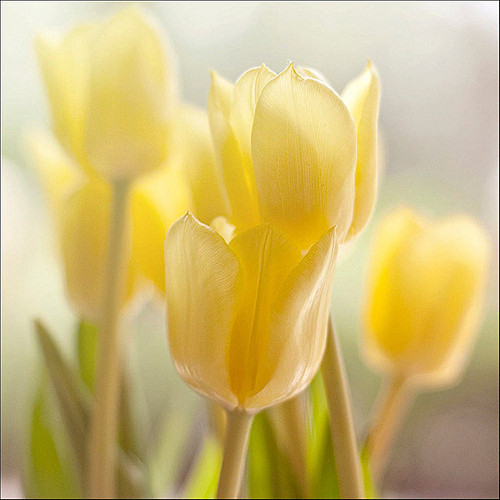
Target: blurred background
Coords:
[[438, 63]]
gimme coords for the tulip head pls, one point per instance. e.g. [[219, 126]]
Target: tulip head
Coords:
[[287, 147], [247, 318], [425, 289], [111, 91], [80, 207]]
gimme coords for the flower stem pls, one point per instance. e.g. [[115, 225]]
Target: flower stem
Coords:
[[341, 423], [386, 423], [235, 451], [104, 425]]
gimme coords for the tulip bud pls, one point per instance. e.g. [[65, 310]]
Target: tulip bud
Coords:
[[80, 207], [111, 91], [287, 146], [425, 293], [246, 319]]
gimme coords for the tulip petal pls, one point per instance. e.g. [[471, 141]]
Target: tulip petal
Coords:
[[202, 281], [157, 202], [304, 154], [266, 259], [425, 294], [362, 98], [246, 93], [65, 66], [58, 173], [197, 161], [298, 325], [236, 167], [131, 95], [384, 299], [84, 240], [444, 277]]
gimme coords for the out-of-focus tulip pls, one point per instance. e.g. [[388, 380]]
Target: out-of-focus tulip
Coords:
[[112, 92], [294, 154], [246, 318], [80, 206], [425, 291]]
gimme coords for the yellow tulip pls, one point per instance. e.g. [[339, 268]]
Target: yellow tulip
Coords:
[[425, 292], [287, 146], [246, 318], [80, 206], [112, 93]]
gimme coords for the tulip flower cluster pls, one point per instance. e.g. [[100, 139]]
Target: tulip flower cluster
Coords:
[[257, 196]]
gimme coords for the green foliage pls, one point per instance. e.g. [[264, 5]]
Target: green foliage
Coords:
[[321, 461], [47, 474], [74, 403], [270, 474], [86, 350], [204, 476]]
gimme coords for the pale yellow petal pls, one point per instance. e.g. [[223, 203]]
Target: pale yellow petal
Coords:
[[307, 72], [266, 259], [131, 98], [444, 276], [298, 325], [157, 202], [236, 168], [246, 93], [84, 240], [197, 161], [304, 154], [56, 170], [202, 279], [385, 319], [426, 287], [65, 66], [362, 97]]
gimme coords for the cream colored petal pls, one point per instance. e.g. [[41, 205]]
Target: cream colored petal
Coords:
[[246, 93], [197, 161], [84, 240], [298, 325], [224, 228], [58, 173], [362, 97], [65, 66], [266, 259], [131, 97], [304, 154], [157, 202], [307, 72], [236, 168], [202, 280]]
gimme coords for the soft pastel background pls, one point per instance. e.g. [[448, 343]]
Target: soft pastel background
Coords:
[[438, 63]]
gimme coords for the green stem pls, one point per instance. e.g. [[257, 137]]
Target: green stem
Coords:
[[341, 423], [104, 425], [235, 451], [386, 423]]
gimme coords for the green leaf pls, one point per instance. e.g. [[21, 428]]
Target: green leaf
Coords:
[[47, 474], [321, 461], [204, 476], [270, 472], [87, 348], [166, 458], [370, 490], [75, 403]]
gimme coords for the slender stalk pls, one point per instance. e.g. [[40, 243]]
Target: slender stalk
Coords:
[[386, 423], [341, 423], [104, 425], [235, 451]]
